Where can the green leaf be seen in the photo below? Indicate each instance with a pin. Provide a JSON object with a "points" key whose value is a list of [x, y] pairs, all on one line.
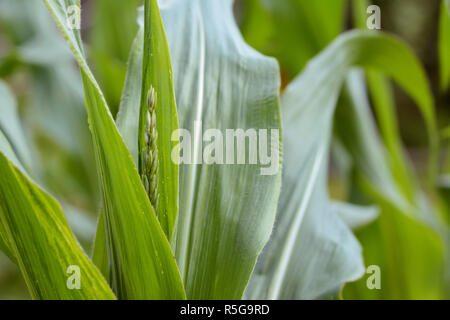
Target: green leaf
{"points": [[291, 267], [226, 212], [41, 241], [142, 263]]}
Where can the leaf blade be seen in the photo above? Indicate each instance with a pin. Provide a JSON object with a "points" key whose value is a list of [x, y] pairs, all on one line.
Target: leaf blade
{"points": [[41, 241]]}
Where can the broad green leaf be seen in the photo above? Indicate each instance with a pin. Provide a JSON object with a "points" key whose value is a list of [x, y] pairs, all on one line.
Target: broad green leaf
{"points": [[226, 212], [285, 270], [444, 45], [157, 74], [41, 241], [142, 263], [311, 251]]}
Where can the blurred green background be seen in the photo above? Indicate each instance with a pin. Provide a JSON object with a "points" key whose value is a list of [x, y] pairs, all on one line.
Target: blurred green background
{"points": [[40, 71]]}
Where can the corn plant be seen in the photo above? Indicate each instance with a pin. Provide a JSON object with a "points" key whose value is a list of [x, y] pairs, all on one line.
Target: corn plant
{"points": [[173, 230]]}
